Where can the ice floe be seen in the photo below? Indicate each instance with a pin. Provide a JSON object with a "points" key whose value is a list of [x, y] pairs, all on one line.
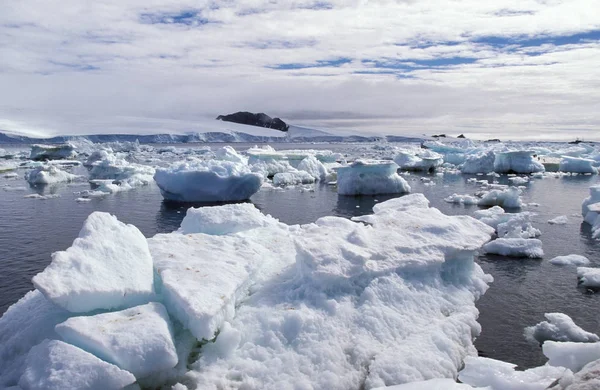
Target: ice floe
{"points": [[365, 177], [559, 327]]}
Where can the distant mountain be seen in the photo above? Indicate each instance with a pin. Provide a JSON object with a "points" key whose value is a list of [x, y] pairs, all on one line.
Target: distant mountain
{"points": [[261, 120]]}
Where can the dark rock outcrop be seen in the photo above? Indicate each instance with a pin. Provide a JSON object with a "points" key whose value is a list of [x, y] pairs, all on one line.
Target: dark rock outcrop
{"points": [[461, 136], [260, 120]]}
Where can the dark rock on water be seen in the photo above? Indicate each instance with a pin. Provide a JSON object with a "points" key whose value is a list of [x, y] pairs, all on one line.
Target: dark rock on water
{"points": [[461, 136], [439, 136], [493, 140], [260, 120]]}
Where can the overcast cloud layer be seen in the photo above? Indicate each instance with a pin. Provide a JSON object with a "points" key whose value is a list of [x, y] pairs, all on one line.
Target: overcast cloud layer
{"points": [[487, 68]]}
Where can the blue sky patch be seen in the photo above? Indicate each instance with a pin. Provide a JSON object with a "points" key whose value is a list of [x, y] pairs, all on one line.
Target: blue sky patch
{"points": [[186, 18], [318, 64]]}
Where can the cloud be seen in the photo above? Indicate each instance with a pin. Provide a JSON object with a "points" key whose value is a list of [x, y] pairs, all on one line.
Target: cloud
{"points": [[494, 68]]}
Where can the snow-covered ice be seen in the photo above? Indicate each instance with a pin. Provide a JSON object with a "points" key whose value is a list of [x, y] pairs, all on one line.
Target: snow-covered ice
{"points": [[55, 365], [365, 177], [559, 327], [138, 339], [207, 181], [571, 355], [588, 378], [422, 160], [506, 198], [431, 384], [293, 178], [462, 199], [588, 277], [226, 219], [314, 167], [109, 266], [572, 259], [515, 247]]}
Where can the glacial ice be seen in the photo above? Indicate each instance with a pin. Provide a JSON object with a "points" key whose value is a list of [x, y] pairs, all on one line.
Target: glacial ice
{"points": [[577, 165], [109, 266], [41, 152], [54, 365], [571, 355], [366, 177], [49, 175], [559, 327], [138, 339], [517, 161], [207, 181]]}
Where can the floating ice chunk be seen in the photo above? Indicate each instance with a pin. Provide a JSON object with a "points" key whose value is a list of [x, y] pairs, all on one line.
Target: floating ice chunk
{"points": [[589, 277], [431, 384], [207, 181], [516, 225], [122, 174], [570, 260], [139, 339], [204, 277], [498, 375], [97, 156], [402, 203], [25, 324], [83, 200], [314, 167], [590, 200], [109, 266], [292, 178], [368, 177], [54, 365], [49, 175], [226, 219], [519, 161], [559, 327], [577, 165], [560, 220], [515, 247], [423, 160], [52, 152], [227, 153], [518, 180], [507, 198], [10, 175], [573, 356], [42, 197], [479, 163], [462, 199]]}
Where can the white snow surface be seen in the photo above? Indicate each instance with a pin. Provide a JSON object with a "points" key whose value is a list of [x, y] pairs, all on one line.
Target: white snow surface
{"points": [[138, 339], [49, 175], [378, 304], [572, 259], [55, 365], [515, 247], [559, 327], [207, 181], [498, 375], [225, 219], [109, 266], [367, 177]]}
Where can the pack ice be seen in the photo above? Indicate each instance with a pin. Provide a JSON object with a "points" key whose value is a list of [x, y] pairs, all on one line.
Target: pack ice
{"points": [[382, 300]]}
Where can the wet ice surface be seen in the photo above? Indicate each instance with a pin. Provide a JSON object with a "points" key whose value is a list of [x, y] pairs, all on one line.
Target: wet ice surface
{"points": [[524, 289]]}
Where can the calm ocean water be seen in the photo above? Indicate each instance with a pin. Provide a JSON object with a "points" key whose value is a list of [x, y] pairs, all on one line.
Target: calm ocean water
{"points": [[523, 290]]}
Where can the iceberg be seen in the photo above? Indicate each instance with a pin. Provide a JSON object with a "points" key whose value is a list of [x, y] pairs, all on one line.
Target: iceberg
{"points": [[369, 177], [424, 160], [49, 175], [41, 152], [559, 327], [515, 247], [507, 198], [207, 181], [109, 266], [314, 167], [54, 365], [227, 153], [517, 161], [138, 340], [577, 165]]}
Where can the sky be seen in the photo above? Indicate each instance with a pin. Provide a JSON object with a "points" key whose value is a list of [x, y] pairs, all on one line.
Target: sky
{"points": [[509, 69]]}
